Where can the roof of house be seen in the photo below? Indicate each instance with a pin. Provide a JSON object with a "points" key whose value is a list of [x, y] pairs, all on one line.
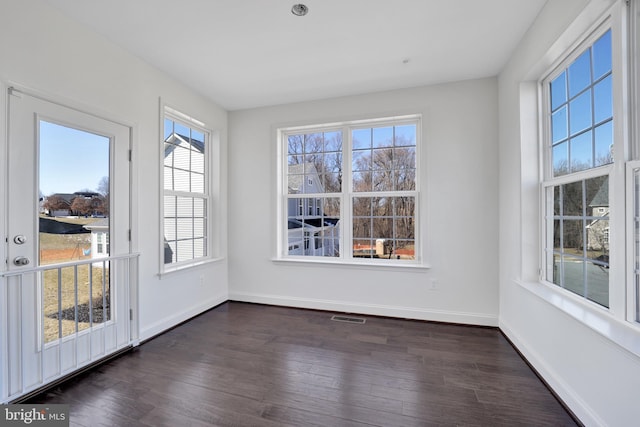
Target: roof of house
{"points": [[176, 139], [297, 174], [602, 196], [101, 224]]}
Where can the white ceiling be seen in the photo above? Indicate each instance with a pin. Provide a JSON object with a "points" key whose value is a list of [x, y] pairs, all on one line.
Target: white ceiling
{"points": [[249, 53]]}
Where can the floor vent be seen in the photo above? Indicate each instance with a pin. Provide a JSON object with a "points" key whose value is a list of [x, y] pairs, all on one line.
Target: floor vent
{"points": [[348, 319]]}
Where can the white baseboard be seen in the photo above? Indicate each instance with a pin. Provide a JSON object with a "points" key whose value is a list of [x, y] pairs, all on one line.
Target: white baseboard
{"points": [[370, 309], [169, 322], [561, 388]]}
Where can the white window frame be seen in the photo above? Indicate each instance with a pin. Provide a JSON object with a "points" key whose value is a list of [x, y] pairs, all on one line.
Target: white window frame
{"points": [[620, 298], [211, 143], [347, 194]]}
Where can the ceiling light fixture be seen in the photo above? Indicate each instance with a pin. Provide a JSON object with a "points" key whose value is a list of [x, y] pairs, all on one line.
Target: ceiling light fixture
{"points": [[299, 9]]}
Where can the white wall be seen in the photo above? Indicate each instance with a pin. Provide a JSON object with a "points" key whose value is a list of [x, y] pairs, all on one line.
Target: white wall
{"points": [[460, 187], [584, 362], [44, 51]]}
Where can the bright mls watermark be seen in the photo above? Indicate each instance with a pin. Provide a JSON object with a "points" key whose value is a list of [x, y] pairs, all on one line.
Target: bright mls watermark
{"points": [[34, 415]]}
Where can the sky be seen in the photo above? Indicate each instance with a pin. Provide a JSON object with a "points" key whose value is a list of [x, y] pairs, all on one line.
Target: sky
{"points": [[71, 160]]}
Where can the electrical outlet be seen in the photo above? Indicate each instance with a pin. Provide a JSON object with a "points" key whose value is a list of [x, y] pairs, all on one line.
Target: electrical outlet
{"points": [[434, 284]]}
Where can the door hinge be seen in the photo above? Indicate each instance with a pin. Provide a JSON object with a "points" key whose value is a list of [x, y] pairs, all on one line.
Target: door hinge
{"points": [[130, 154], [129, 234], [130, 314]]}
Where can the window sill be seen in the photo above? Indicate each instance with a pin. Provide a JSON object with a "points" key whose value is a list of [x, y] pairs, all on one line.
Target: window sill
{"points": [[170, 271], [621, 332], [352, 264]]}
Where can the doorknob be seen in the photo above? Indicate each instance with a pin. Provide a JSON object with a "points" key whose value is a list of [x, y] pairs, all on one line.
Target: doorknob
{"points": [[21, 261]]}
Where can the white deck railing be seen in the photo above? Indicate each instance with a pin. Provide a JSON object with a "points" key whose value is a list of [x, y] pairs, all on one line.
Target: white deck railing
{"points": [[31, 356]]}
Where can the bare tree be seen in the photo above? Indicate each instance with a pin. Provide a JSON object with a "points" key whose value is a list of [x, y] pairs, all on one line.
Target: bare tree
{"points": [[105, 192]]}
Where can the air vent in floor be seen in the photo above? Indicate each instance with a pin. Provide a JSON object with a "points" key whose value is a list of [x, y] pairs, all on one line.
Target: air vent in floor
{"points": [[348, 319]]}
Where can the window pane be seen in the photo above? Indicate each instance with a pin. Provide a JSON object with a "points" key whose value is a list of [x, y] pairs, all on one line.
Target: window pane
{"points": [[572, 200], [168, 154], [362, 181], [197, 137], [168, 128], [559, 91], [405, 135], [198, 227], [199, 208], [383, 137], [597, 283], [197, 162], [361, 227], [332, 163], [184, 228], [184, 207], [333, 141], [361, 138], [572, 236], [185, 250], [181, 157], [170, 228], [361, 160], [313, 230], [604, 144], [602, 55], [580, 73], [573, 275], [199, 248], [181, 130], [295, 182], [581, 152], [561, 159], [559, 125], [383, 181], [580, 113], [73, 182], [603, 100], [181, 180], [332, 182], [382, 159], [197, 183], [168, 178]]}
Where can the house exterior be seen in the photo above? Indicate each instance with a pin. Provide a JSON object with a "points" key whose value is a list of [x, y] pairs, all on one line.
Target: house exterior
{"points": [[99, 238]]}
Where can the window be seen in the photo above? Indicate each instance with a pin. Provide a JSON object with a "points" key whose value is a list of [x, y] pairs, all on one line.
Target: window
{"points": [[361, 190], [185, 191], [579, 153]]}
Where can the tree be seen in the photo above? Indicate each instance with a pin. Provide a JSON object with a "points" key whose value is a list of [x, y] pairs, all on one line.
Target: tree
{"points": [[103, 186], [81, 205], [55, 203], [104, 190]]}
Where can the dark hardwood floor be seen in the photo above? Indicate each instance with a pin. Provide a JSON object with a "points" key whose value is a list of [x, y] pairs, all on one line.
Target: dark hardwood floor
{"points": [[253, 365]]}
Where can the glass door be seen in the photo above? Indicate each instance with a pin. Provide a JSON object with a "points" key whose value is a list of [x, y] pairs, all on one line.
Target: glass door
{"points": [[67, 286]]}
